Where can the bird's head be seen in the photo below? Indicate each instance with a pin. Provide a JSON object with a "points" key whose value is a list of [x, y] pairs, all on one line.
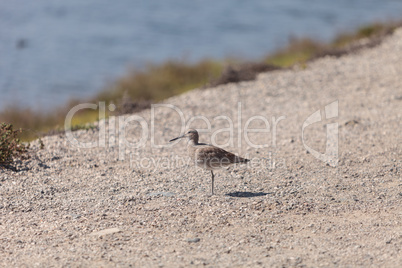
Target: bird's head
{"points": [[190, 134]]}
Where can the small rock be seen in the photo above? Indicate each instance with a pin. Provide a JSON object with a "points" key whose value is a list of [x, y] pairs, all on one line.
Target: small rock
{"points": [[106, 231], [75, 216], [351, 123], [193, 240], [166, 194]]}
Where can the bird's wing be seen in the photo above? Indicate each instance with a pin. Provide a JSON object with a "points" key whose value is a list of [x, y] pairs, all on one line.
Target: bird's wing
{"points": [[216, 154]]}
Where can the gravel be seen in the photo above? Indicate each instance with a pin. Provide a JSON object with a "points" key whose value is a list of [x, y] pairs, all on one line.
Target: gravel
{"points": [[149, 206]]}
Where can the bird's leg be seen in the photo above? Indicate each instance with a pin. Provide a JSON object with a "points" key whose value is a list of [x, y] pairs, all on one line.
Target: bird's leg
{"points": [[212, 188]]}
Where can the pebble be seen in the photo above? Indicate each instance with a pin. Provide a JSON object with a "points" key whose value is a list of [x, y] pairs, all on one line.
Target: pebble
{"points": [[106, 232]]}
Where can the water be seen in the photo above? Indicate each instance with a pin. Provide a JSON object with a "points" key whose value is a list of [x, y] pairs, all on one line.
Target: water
{"points": [[55, 50]]}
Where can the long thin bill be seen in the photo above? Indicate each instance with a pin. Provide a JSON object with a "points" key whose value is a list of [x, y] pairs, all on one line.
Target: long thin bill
{"points": [[176, 138]]}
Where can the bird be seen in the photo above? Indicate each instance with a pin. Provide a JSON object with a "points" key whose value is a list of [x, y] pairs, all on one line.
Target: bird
{"points": [[207, 156]]}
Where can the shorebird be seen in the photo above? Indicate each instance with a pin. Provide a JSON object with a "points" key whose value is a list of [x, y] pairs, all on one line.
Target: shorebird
{"points": [[208, 156]]}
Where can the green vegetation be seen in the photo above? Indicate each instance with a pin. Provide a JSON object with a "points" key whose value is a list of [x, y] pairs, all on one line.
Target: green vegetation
{"points": [[376, 29], [158, 82], [298, 51], [140, 87], [35, 124], [10, 146]]}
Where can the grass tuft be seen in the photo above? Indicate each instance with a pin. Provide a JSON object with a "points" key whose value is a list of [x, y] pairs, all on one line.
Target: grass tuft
{"points": [[11, 147]]}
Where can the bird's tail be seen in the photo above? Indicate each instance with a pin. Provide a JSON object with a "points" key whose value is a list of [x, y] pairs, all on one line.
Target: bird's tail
{"points": [[241, 160]]}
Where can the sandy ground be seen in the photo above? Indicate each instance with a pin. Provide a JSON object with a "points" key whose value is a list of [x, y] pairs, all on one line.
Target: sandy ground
{"points": [[133, 201]]}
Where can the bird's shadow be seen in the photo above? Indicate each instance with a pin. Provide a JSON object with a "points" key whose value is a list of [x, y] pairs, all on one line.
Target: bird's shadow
{"points": [[246, 194]]}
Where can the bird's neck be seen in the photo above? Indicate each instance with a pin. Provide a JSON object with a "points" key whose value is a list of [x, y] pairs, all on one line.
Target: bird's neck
{"points": [[192, 142]]}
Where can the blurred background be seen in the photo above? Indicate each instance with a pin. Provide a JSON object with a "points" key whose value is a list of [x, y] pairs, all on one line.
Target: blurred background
{"points": [[53, 51]]}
